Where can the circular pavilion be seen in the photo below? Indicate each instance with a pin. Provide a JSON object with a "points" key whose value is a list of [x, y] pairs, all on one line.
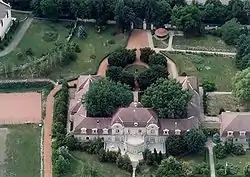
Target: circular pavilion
{"points": [[161, 33]]}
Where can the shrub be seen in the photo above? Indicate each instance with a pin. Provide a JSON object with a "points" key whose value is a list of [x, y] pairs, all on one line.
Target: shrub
{"points": [[201, 169], [77, 49], [209, 132], [146, 53], [50, 36], [216, 138], [20, 56], [157, 59], [122, 57], [209, 86], [221, 111], [29, 52], [238, 150], [220, 151], [111, 41]]}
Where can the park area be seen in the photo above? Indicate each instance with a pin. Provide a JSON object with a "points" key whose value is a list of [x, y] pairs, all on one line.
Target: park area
{"points": [[20, 150], [217, 69], [203, 43], [42, 36]]}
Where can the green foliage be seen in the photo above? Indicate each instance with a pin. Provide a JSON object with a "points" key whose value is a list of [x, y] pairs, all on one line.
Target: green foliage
{"points": [[150, 76], [167, 98], [209, 132], [209, 86], [195, 140], [216, 138], [247, 170], [188, 19], [227, 169], [61, 164], [81, 33], [175, 145], [170, 167], [241, 85], [220, 151], [124, 162], [146, 53], [148, 157], [202, 169], [122, 57], [22, 85], [111, 96], [230, 31], [117, 74], [157, 59], [238, 150], [243, 52]]}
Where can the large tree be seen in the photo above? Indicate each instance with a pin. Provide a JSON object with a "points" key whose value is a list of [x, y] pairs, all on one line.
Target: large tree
{"points": [[236, 10], [188, 19], [170, 167], [175, 145], [246, 8], [247, 170], [149, 76], [243, 52], [146, 53], [122, 57], [241, 85], [104, 97], [49, 8], [230, 31], [163, 13], [195, 140], [168, 98], [157, 59]]}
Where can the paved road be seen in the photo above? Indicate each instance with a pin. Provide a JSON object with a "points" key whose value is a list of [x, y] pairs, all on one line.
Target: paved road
{"points": [[18, 37], [48, 132], [210, 146]]}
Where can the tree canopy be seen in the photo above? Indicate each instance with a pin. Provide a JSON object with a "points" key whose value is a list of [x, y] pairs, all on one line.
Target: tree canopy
{"points": [[243, 52], [122, 57], [104, 97], [167, 98], [241, 85], [175, 145], [157, 59], [149, 76], [146, 53], [195, 140]]}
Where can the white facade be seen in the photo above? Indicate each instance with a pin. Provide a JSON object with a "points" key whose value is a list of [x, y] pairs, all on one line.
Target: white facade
{"points": [[5, 20]]}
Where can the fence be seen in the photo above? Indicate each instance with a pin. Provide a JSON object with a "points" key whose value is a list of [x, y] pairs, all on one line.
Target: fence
{"points": [[14, 120]]}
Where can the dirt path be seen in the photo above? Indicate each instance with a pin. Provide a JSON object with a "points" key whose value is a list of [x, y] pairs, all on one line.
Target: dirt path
{"points": [[48, 132], [18, 37], [210, 146]]}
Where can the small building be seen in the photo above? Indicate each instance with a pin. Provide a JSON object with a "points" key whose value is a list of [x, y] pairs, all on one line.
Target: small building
{"points": [[236, 126], [131, 129], [5, 19], [161, 33]]}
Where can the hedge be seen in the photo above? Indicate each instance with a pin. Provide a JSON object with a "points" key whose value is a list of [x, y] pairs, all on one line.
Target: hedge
{"points": [[22, 85]]}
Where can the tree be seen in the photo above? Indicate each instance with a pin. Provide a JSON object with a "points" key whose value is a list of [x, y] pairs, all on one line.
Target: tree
{"points": [[160, 157], [209, 86], [157, 59], [246, 8], [150, 76], [49, 8], [201, 169], [195, 140], [148, 157], [163, 12], [175, 145], [61, 166], [230, 31], [146, 53], [243, 52], [155, 156], [241, 85], [167, 98], [122, 57], [170, 167], [188, 19], [236, 10], [105, 96], [247, 170]]}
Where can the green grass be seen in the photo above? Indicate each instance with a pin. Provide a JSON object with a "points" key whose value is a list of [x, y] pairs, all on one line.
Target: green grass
{"points": [[206, 42], [239, 161], [160, 43], [34, 39], [228, 102], [18, 16], [93, 49], [217, 69], [135, 69], [105, 169], [23, 151]]}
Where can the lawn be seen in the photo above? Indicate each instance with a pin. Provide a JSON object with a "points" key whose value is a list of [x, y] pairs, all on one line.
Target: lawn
{"points": [[207, 43], [93, 49], [106, 169], [23, 151], [239, 161], [18, 16], [35, 40], [160, 43], [135, 69], [217, 69], [228, 102]]}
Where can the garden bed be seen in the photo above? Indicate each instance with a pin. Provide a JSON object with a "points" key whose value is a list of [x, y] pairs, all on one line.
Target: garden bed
{"points": [[206, 43], [217, 69], [135, 69]]}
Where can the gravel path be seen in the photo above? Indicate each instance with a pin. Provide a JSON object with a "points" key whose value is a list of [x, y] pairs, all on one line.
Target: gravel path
{"points": [[18, 37], [210, 146]]}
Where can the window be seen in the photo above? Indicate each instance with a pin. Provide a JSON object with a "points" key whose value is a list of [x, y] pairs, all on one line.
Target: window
{"points": [[105, 131], [230, 133], [235, 139], [135, 124], [152, 139], [166, 132], [139, 131], [117, 131], [117, 138], [87, 138], [152, 131], [94, 131], [83, 130], [1, 22], [177, 132], [7, 14], [242, 133]]}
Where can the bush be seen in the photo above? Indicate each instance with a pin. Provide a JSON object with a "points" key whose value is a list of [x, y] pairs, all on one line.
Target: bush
{"points": [[209, 132], [20, 56], [209, 86], [111, 41], [157, 59], [146, 53], [201, 169], [122, 57], [29, 52], [77, 49], [220, 151], [50, 36], [238, 150], [216, 138]]}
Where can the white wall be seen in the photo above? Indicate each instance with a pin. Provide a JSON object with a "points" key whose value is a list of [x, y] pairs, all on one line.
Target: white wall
{"points": [[6, 24]]}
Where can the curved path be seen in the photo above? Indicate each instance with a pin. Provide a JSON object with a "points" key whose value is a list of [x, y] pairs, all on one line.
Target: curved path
{"points": [[18, 37], [47, 144]]}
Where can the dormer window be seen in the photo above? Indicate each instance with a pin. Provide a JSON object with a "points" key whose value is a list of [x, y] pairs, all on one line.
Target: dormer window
{"points": [[83, 130], [177, 132], [230, 133], [165, 132], [152, 131], [135, 124], [94, 130], [242, 133], [117, 131], [105, 131]]}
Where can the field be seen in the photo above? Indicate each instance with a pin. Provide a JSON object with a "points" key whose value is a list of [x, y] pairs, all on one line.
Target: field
{"points": [[106, 169], [239, 161], [217, 69], [207, 43], [93, 49], [228, 102], [23, 151]]}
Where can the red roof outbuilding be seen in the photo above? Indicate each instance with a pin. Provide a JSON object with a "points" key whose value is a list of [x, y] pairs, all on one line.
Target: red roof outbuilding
{"points": [[161, 32]]}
